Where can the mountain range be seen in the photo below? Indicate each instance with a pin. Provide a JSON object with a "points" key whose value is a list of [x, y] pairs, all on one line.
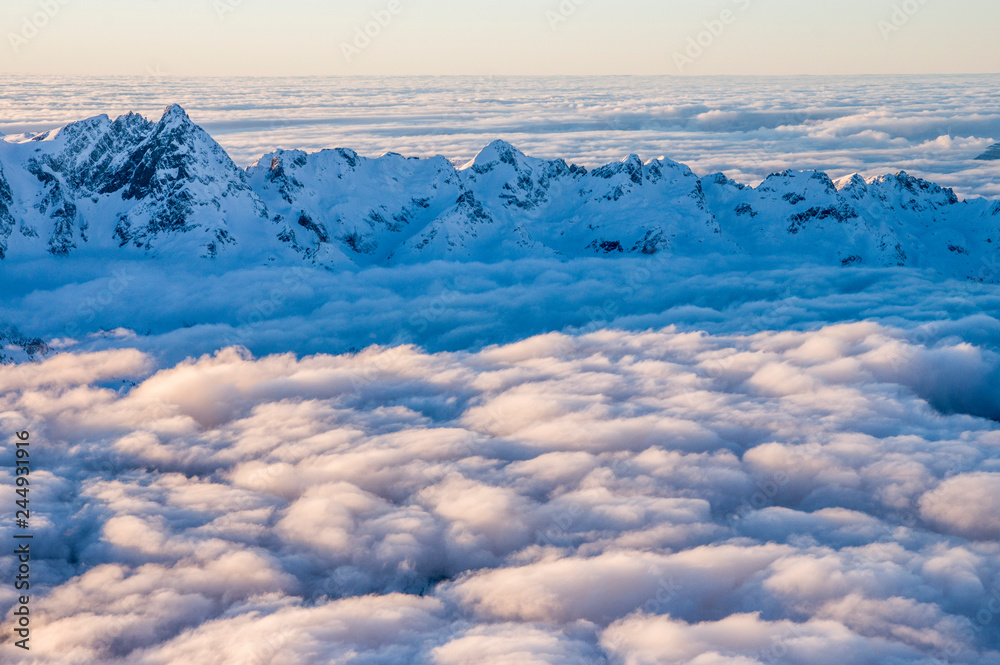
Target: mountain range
{"points": [[136, 187]]}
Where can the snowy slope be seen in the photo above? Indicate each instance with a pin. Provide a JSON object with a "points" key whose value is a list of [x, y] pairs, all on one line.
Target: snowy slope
{"points": [[336, 206], [891, 220], [7, 221], [131, 185], [624, 207], [164, 187]]}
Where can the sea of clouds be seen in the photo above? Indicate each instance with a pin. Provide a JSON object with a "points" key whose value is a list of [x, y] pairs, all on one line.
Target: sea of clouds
{"points": [[707, 464], [649, 497], [747, 127]]}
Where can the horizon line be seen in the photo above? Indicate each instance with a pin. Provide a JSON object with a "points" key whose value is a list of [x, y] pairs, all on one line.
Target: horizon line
{"points": [[512, 76]]}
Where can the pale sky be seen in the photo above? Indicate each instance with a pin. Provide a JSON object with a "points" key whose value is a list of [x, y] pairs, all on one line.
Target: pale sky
{"points": [[515, 37]]}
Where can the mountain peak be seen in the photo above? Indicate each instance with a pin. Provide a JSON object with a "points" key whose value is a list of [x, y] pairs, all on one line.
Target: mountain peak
{"points": [[630, 166], [498, 151], [175, 114], [96, 124], [852, 179], [854, 185], [992, 153], [500, 145]]}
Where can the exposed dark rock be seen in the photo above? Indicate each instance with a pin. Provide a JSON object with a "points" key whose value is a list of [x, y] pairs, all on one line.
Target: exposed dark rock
{"points": [[992, 153]]}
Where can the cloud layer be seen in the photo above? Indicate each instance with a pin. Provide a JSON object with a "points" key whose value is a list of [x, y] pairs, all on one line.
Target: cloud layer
{"points": [[443, 306], [615, 497]]}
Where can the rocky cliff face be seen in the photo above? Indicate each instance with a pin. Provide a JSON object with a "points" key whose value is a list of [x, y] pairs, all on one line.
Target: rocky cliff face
{"points": [[7, 221], [167, 188], [129, 182]]}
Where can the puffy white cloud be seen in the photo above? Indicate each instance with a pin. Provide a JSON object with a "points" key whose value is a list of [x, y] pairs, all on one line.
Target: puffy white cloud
{"points": [[269, 629], [62, 370], [695, 582], [612, 497], [968, 505], [747, 639], [515, 644]]}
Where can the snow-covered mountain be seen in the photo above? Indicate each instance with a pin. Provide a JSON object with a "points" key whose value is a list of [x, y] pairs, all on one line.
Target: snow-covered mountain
{"points": [[165, 188], [891, 220], [160, 187], [502, 204], [992, 153]]}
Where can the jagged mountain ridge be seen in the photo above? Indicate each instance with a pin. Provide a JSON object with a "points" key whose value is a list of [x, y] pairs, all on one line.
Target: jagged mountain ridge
{"points": [[128, 182], [167, 188]]}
